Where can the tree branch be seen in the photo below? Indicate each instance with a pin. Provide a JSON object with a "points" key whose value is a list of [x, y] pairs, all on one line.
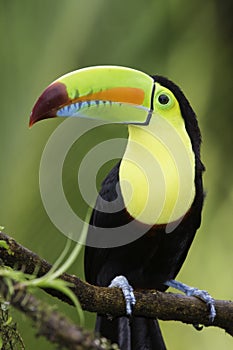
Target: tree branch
{"points": [[50, 323], [153, 304]]}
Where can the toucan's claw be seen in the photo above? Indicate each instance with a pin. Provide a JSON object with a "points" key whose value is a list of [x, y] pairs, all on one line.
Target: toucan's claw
{"points": [[191, 291], [122, 283]]}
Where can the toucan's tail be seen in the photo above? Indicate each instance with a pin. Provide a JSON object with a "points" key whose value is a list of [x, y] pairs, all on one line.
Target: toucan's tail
{"points": [[137, 333]]}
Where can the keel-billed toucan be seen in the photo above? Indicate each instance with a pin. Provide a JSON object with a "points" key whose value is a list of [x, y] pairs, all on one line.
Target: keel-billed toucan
{"points": [[151, 201]]}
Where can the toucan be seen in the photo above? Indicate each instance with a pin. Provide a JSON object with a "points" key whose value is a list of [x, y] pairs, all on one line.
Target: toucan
{"points": [[149, 206]]}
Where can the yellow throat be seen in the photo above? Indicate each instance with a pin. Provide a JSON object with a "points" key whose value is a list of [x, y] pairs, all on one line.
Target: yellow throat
{"points": [[157, 171]]}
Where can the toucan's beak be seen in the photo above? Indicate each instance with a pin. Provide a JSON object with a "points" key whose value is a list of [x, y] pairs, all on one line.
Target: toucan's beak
{"points": [[110, 93]]}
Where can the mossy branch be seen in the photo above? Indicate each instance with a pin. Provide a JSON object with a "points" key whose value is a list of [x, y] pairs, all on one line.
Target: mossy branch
{"points": [[50, 323], [153, 304]]}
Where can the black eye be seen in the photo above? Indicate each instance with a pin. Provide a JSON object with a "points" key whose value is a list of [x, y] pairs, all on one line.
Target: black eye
{"points": [[163, 99]]}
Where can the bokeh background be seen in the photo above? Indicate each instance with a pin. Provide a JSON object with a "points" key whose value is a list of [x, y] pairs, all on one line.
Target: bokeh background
{"points": [[188, 41]]}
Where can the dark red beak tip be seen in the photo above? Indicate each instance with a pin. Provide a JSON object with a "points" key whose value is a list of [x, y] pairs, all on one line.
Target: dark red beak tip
{"points": [[54, 97]]}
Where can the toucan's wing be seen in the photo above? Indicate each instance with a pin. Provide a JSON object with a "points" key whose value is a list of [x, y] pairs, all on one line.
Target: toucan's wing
{"points": [[95, 258]]}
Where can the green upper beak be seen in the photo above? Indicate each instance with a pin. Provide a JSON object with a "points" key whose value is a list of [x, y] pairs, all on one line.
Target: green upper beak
{"points": [[109, 93]]}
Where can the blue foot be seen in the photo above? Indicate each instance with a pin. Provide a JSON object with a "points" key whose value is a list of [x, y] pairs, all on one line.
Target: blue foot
{"points": [[127, 290], [191, 291]]}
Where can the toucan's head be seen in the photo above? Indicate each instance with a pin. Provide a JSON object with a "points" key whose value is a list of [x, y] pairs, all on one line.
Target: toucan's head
{"points": [[159, 118], [117, 95]]}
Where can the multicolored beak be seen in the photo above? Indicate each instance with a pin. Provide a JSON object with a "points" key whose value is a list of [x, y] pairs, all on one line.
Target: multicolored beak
{"points": [[109, 93]]}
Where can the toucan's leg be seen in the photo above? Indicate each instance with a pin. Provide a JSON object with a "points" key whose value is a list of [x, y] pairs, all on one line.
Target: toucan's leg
{"points": [[191, 291], [127, 290]]}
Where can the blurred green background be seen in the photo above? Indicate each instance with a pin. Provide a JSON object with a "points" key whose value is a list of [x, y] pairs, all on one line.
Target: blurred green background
{"points": [[188, 41]]}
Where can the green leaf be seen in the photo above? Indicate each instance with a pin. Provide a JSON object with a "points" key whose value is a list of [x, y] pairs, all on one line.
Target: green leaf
{"points": [[3, 244]]}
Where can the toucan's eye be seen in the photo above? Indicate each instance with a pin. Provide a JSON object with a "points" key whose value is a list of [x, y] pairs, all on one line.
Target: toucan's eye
{"points": [[163, 99]]}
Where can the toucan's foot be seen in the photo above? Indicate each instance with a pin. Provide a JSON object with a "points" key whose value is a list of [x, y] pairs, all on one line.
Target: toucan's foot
{"points": [[122, 282], [191, 291]]}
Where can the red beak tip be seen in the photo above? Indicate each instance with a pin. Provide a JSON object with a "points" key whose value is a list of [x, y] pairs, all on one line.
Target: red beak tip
{"points": [[30, 123], [47, 104]]}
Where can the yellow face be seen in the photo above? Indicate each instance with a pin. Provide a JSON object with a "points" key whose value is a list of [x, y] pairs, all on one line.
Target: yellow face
{"points": [[157, 172], [165, 104]]}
